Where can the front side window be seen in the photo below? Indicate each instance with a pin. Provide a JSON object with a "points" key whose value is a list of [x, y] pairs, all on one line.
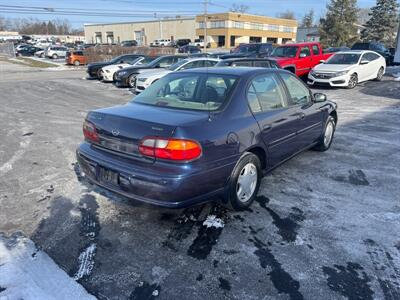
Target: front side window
{"points": [[305, 51], [265, 93], [242, 64], [299, 94], [207, 92], [192, 65], [285, 51]]}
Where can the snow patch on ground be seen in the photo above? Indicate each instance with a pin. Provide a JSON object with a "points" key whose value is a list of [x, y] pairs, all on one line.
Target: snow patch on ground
{"points": [[28, 273], [213, 221], [86, 262]]}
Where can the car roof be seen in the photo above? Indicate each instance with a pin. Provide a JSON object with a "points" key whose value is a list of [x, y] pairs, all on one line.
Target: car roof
{"points": [[242, 71], [247, 59], [201, 58], [301, 44], [355, 51]]}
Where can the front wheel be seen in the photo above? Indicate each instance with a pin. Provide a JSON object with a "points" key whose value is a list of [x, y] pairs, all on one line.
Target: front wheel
{"points": [[326, 139], [54, 56], [379, 76], [132, 81], [77, 63], [353, 81], [244, 182]]}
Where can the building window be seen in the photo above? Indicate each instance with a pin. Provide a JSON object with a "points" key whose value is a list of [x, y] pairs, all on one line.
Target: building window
{"points": [[256, 26], [217, 24], [237, 24], [201, 25], [97, 38], [273, 27], [110, 37], [288, 29]]}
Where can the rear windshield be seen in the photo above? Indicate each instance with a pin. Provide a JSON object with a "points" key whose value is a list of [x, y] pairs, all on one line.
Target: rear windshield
{"points": [[247, 48], [191, 91]]}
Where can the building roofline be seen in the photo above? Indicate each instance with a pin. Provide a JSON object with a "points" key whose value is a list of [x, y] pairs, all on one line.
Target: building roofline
{"points": [[141, 22]]}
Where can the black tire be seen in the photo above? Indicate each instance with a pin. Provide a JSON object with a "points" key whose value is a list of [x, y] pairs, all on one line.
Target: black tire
{"points": [[323, 144], [353, 81], [132, 81], [99, 76], [379, 75], [232, 200]]}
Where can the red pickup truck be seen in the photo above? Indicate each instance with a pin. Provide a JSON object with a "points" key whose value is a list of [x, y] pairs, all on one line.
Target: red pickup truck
{"points": [[299, 58]]}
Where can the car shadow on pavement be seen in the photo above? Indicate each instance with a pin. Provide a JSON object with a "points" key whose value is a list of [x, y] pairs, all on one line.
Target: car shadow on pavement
{"points": [[309, 233]]}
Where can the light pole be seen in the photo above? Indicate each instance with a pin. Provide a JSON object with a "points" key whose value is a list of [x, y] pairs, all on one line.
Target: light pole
{"points": [[205, 25]]}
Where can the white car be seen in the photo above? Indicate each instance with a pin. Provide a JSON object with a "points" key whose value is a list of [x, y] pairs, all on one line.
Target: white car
{"points": [[56, 52], [348, 68], [147, 77], [108, 72], [161, 43]]}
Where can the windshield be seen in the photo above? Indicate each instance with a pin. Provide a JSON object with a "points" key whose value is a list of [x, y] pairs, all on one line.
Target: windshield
{"points": [[206, 92], [177, 65], [285, 51], [116, 59], [343, 59], [249, 48]]}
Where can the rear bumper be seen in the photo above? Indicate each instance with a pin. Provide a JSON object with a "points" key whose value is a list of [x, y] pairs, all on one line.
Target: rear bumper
{"points": [[172, 186]]}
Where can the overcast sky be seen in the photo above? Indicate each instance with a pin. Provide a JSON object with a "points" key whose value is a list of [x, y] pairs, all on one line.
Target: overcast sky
{"points": [[104, 11]]}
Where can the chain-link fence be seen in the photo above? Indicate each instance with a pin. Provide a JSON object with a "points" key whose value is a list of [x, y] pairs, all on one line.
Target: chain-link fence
{"points": [[7, 49]]}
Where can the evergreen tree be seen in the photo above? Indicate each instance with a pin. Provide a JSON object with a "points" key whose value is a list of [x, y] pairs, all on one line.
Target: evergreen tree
{"points": [[338, 28], [382, 25], [308, 19]]}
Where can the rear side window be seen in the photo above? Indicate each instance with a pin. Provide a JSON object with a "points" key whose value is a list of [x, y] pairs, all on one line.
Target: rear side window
{"points": [[299, 94], [315, 49], [262, 64], [242, 64], [265, 93]]}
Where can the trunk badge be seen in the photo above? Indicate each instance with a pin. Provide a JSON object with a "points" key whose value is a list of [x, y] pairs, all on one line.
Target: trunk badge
{"points": [[115, 132]]}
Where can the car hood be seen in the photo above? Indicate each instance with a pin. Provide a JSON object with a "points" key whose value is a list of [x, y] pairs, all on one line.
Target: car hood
{"points": [[116, 67], [98, 65], [332, 68], [153, 72]]}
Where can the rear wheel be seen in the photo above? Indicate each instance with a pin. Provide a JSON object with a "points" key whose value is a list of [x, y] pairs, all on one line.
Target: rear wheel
{"points": [[244, 182], [326, 139], [353, 81], [380, 74], [54, 56], [77, 63]]}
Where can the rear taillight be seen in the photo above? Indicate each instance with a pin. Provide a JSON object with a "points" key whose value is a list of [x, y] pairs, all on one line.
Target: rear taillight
{"points": [[170, 149], [89, 131]]}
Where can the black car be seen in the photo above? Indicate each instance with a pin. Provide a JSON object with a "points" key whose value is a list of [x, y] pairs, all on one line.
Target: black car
{"points": [[180, 42], [377, 47], [336, 49], [189, 49], [249, 62], [27, 51], [94, 69], [250, 50], [127, 76], [131, 43]]}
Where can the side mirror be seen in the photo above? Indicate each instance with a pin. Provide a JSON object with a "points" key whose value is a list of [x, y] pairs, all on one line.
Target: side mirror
{"points": [[322, 61], [302, 55], [364, 62], [319, 97]]}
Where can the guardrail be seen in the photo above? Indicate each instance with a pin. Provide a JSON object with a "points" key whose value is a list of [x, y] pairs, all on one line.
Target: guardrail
{"points": [[7, 49]]}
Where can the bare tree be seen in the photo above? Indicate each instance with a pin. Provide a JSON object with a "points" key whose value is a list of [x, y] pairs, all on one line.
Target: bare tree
{"points": [[240, 8], [288, 15]]}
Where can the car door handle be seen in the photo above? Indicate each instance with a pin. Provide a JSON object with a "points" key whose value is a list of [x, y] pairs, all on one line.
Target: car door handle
{"points": [[300, 115], [267, 127]]}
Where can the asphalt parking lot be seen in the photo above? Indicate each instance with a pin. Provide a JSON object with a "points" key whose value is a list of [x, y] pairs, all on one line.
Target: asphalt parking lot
{"points": [[325, 225]]}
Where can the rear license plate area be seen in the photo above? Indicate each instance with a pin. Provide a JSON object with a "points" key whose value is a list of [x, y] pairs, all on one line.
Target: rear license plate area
{"points": [[108, 177]]}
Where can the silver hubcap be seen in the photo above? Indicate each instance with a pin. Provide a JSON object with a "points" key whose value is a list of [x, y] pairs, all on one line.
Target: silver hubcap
{"points": [[328, 134], [353, 81], [380, 73], [247, 182]]}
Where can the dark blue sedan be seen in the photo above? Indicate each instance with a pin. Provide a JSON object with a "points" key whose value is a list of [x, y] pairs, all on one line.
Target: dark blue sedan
{"points": [[201, 133]]}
